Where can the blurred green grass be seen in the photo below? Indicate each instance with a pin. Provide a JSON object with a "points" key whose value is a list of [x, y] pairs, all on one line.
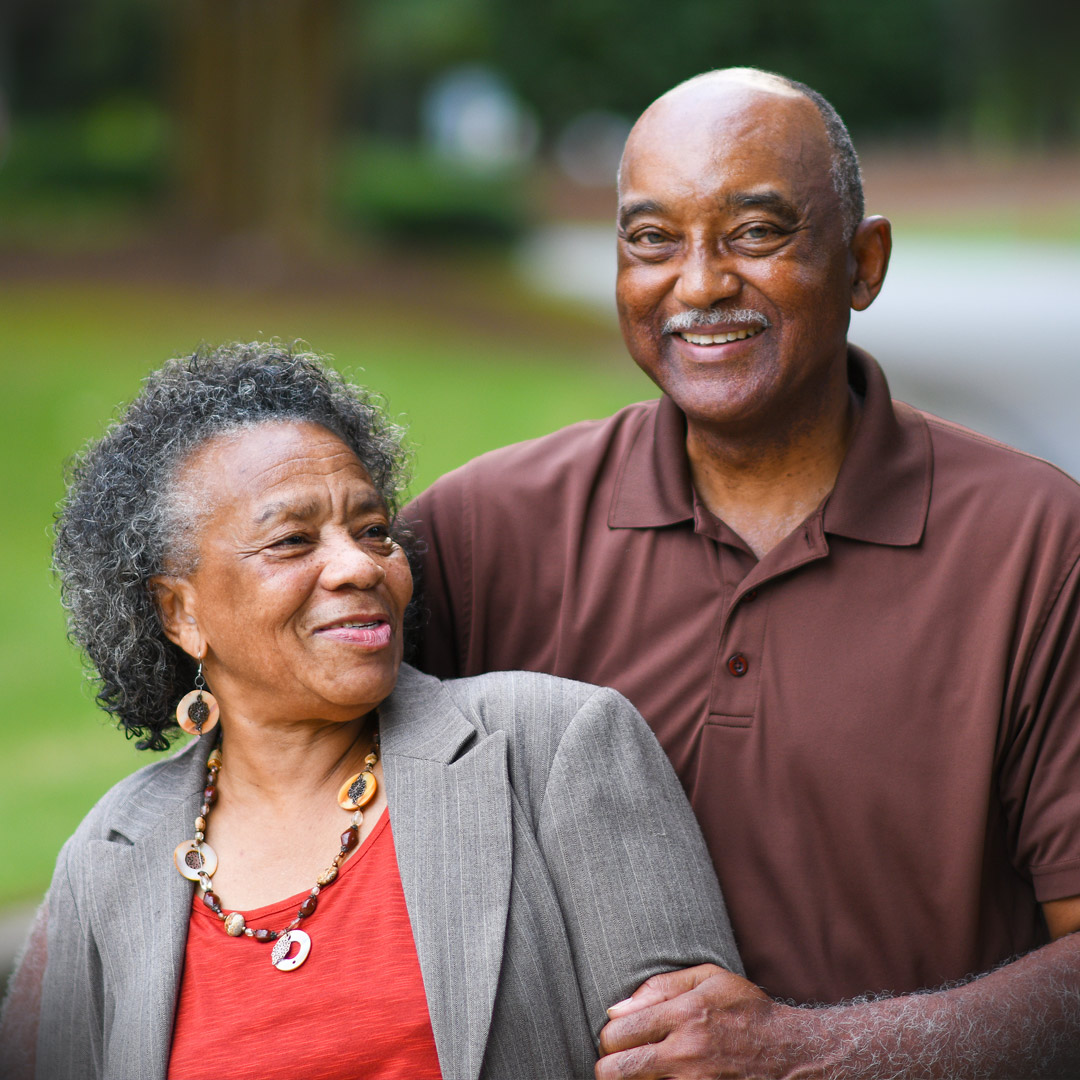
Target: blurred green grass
{"points": [[71, 351]]}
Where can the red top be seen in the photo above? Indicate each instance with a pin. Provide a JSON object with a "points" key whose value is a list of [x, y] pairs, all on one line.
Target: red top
{"points": [[355, 1007]]}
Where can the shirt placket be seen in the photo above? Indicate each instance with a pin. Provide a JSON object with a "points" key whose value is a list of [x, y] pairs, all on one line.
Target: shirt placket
{"points": [[735, 690]]}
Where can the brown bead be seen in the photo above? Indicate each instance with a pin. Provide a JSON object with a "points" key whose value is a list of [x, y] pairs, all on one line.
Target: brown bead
{"points": [[200, 824], [327, 876], [210, 795], [308, 907], [349, 838], [211, 901], [262, 934]]}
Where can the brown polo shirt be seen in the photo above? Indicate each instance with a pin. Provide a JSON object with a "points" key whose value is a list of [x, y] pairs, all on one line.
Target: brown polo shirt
{"points": [[878, 724]]}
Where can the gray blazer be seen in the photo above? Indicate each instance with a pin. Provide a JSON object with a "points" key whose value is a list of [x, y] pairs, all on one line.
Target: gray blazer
{"points": [[549, 860]]}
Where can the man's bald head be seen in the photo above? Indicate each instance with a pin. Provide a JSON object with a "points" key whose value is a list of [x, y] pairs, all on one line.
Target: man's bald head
{"points": [[844, 168]]}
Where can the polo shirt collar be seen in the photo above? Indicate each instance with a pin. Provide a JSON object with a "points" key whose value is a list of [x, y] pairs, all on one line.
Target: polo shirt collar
{"points": [[654, 486], [882, 493]]}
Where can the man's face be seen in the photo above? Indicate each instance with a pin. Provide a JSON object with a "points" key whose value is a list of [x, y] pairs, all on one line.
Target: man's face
{"points": [[735, 282]]}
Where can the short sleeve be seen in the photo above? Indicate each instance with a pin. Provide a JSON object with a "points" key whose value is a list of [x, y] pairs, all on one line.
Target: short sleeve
{"points": [[1039, 777]]}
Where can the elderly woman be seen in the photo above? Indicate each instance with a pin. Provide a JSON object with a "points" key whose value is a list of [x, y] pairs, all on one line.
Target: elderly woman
{"points": [[353, 869]]}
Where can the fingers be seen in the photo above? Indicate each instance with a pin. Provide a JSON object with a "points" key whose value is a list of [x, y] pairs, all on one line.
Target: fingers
{"points": [[640, 1064], [663, 987], [690, 1034]]}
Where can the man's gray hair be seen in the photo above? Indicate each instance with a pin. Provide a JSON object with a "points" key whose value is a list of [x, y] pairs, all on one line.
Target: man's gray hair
{"points": [[127, 516], [844, 168]]}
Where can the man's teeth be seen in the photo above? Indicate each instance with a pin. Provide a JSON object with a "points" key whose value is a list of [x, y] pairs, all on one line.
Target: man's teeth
{"points": [[720, 339], [356, 625]]}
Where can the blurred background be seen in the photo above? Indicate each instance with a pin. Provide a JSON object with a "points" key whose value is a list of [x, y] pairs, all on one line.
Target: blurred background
{"points": [[424, 189]]}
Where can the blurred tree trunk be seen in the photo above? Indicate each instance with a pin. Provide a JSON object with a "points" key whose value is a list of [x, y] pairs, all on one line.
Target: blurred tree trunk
{"points": [[254, 85]]}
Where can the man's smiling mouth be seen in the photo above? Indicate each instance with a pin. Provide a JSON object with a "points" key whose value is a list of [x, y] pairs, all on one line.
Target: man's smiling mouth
{"points": [[720, 339]]}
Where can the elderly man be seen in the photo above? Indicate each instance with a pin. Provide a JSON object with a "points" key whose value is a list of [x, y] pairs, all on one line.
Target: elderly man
{"points": [[854, 627]]}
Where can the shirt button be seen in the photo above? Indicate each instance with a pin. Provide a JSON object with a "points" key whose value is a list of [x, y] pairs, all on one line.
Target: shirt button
{"points": [[750, 594], [738, 665]]}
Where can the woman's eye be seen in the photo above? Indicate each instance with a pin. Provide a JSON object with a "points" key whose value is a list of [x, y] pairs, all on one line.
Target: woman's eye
{"points": [[292, 540], [378, 535]]}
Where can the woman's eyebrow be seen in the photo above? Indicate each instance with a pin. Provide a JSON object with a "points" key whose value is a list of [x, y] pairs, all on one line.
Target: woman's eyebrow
{"points": [[286, 509]]}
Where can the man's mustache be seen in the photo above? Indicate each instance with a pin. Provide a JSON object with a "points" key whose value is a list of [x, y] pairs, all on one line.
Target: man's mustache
{"points": [[699, 318]]}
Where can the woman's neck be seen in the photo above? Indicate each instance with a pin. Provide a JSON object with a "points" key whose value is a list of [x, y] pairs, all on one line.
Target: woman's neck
{"points": [[281, 766]]}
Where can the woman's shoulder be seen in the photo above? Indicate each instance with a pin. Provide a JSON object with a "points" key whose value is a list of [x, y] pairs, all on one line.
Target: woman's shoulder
{"points": [[527, 704], [541, 717]]}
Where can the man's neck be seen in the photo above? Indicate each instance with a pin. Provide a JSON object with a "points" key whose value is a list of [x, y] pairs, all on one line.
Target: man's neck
{"points": [[765, 488]]}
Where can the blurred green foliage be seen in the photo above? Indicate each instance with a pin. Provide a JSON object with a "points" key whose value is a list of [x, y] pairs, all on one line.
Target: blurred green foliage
{"points": [[882, 65], [397, 189], [116, 145], [94, 84]]}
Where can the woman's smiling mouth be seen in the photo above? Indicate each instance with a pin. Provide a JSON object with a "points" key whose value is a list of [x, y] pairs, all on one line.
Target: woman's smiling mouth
{"points": [[369, 633]]}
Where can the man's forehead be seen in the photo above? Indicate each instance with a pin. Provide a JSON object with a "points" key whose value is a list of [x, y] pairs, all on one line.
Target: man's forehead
{"points": [[720, 130]]}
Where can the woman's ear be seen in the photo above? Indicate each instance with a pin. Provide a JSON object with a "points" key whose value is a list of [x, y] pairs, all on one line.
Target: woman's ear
{"points": [[871, 247], [175, 600]]}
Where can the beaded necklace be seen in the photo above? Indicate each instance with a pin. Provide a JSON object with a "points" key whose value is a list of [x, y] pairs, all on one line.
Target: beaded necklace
{"points": [[197, 861]]}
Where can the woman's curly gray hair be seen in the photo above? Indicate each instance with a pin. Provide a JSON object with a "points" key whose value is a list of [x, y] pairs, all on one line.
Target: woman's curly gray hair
{"points": [[126, 518]]}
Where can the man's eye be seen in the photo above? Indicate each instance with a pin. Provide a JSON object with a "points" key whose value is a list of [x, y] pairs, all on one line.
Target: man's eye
{"points": [[649, 237], [292, 540], [759, 232]]}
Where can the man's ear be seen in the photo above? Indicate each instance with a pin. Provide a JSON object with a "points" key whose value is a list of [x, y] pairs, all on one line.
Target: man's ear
{"points": [[870, 248], [175, 600]]}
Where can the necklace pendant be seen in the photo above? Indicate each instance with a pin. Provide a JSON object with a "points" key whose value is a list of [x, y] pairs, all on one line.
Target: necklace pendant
{"points": [[358, 790], [193, 858], [280, 957]]}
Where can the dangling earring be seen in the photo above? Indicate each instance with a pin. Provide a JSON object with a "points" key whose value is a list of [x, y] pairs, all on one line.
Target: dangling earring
{"points": [[198, 711]]}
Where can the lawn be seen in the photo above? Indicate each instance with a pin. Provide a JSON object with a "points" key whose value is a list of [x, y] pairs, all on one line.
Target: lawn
{"points": [[71, 351]]}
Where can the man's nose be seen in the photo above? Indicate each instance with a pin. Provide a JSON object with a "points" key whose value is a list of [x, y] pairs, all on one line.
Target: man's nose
{"points": [[706, 277]]}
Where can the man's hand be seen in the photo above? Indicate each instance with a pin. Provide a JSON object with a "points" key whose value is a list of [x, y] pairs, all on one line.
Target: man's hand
{"points": [[1021, 1020], [702, 1022]]}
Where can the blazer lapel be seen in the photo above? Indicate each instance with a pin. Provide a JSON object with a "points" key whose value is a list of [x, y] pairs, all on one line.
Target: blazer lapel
{"points": [[450, 806], [141, 926]]}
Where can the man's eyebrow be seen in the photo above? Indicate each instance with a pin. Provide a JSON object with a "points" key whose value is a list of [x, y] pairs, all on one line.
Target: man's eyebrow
{"points": [[763, 200], [641, 206]]}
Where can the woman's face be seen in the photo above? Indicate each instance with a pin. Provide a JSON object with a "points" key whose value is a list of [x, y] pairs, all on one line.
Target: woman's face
{"points": [[299, 591]]}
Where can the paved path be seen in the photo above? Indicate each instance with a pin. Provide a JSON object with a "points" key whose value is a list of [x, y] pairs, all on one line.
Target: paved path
{"points": [[985, 333]]}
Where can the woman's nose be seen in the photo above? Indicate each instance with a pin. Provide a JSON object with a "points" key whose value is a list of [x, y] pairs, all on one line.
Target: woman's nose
{"points": [[348, 562]]}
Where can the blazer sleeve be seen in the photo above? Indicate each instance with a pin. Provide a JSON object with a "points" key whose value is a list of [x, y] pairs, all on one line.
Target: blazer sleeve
{"points": [[70, 1040], [634, 879]]}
